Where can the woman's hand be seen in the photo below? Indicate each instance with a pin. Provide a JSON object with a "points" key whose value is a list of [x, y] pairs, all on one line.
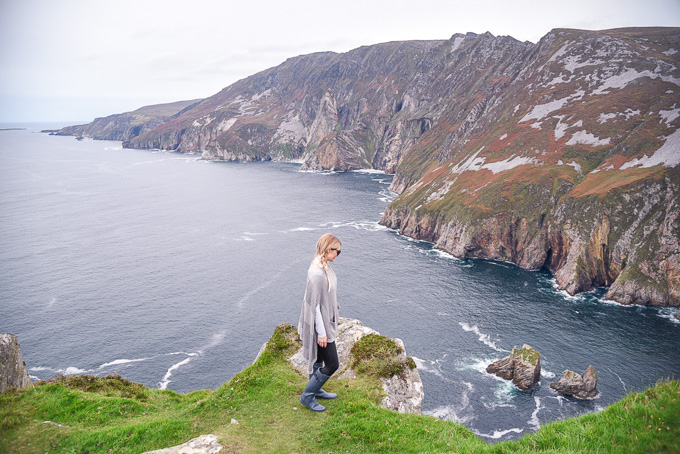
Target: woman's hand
{"points": [[322, 341]]}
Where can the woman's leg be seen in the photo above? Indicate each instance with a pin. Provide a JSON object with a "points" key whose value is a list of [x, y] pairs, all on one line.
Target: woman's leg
{"points": [[329, 356]]}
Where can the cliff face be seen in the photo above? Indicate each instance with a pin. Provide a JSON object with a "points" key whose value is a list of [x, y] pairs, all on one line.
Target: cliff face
{"points": [[573, 168], [562, 154], [13, 370]]}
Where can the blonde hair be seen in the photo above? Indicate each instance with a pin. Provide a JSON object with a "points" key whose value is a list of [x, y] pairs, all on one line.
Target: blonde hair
{"points": [[326, 242]]}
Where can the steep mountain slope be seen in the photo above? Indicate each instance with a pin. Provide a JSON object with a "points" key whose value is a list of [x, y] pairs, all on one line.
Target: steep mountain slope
{"points": [[573, 166], [562, 154]]}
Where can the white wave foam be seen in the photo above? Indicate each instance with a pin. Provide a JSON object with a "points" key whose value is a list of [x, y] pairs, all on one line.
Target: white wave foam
{"points": [[534, 416], [504, 392], [386, 195], [68, 371], [304, 229], [373, 171], [423, 365], [122, 361], [166, 379], [248, 295], [476, 364], [620, 380], [371, 226], [668, 314], [51, 302], [499, 433], [500, 263], [558, 398], [484, 338], [41, 368], [564, 293], [547, 374], [493, 405], [453, 412], [215, 340], [444, 255], [148, 162], [318, 172]]}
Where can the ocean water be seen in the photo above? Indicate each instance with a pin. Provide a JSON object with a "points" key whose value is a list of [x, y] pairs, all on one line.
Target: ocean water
{"points": [[173, 272]]}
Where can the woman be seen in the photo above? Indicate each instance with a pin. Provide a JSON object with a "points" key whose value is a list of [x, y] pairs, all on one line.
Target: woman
{"points": [[318, 326]]}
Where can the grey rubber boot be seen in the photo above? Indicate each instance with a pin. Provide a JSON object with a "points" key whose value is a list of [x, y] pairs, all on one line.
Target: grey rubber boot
{"points": [[322, 394], [315, 383]]}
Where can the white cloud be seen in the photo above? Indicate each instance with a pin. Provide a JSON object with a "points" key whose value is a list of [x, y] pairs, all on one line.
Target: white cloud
{"points": [[93, 55]]}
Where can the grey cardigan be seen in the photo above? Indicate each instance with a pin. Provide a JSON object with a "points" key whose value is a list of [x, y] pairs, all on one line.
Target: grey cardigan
{"points": [[318, 294]]}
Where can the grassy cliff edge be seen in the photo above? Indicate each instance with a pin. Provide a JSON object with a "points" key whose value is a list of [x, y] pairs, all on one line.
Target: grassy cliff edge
{"points": [[258, 411]]}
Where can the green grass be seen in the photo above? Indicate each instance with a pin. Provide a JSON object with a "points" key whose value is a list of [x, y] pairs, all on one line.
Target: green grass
{"points": [[379, 356], [111, 415], [528, 354]]}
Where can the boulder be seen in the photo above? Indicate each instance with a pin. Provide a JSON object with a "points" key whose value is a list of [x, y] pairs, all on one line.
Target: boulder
{"points": [[13, 370], [403, 393], [205, 444], [523, 367], [573, 384]]}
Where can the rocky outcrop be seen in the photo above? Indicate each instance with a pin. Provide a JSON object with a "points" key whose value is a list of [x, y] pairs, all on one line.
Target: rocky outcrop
{"points": [[573, 384], [523, 367], [13, 370], [403, 393], [127, 125], [205, 444], [628, 241]]}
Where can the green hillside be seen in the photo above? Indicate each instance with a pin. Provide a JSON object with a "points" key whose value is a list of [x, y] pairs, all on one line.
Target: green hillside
{"points": [[112, 415]]}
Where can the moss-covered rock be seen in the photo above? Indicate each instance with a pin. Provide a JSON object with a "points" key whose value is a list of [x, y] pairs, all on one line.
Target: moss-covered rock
{"points": [[379, 355], [522, 366]]}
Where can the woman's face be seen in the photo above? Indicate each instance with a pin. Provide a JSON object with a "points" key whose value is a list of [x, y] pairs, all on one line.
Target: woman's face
{"points": [[332, 253]]}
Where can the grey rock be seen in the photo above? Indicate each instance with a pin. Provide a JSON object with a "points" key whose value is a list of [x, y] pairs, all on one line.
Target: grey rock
{"points": [[205, 444], [13, 370], [573, 384], [523, 367]]}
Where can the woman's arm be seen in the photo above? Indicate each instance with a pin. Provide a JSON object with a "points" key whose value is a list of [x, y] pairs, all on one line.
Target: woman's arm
{"points": [[320, 329]]}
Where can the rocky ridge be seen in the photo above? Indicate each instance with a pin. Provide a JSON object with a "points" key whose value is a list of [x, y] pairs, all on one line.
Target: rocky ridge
{"points": [[562, 154], [127, 125]]}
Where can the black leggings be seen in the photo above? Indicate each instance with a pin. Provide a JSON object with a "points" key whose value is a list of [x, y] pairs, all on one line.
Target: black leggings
{"points": [[329, 357]]}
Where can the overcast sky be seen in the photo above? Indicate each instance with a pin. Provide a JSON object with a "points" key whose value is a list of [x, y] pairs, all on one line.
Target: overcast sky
{"points": [[74, 60]]}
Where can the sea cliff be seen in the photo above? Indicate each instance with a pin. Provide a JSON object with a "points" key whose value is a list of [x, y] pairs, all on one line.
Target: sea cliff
{"points": [[562, 154]]}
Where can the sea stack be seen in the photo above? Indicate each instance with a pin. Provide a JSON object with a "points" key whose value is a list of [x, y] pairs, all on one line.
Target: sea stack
{"points": [[523, 367], [573, 384], [13, 370]]}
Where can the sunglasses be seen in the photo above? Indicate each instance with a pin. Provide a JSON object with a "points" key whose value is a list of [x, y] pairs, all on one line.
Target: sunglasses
{"points": [[336, 250]]}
